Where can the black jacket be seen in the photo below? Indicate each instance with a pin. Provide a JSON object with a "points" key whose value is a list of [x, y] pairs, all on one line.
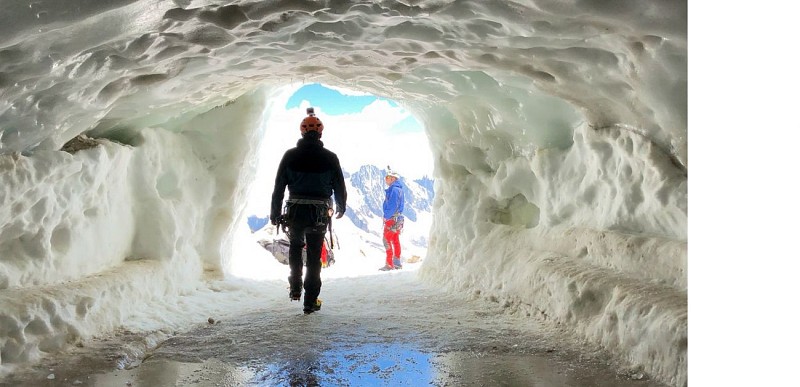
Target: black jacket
{"points": [[311, 172]]}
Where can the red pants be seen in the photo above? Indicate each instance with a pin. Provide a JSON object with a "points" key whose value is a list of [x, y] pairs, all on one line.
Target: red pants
{"points": [[324, 256], [391, 240]]}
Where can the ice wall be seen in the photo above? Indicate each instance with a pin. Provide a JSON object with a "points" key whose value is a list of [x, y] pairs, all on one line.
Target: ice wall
{"points": [[90, 239], [561, 220]]}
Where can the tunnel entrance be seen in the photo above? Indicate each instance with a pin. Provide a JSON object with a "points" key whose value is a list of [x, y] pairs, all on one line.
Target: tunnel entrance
{"points": [[369, 134]]}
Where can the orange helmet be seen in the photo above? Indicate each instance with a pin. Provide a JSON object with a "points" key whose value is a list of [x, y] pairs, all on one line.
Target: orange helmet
{"points": [[311, 123]]}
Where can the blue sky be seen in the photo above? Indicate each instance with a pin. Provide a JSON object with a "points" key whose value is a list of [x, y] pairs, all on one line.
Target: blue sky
{"points": [[334, 102]]}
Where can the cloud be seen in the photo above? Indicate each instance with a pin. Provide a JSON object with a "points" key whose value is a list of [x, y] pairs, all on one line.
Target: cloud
{"points": [[345, 91], [361, 138], [368, 138]]}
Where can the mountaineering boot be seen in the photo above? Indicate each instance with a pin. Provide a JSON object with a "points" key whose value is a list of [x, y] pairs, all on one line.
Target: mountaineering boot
{"points": [[397, 263], [295, 289], [386, 268], [317, 305]]}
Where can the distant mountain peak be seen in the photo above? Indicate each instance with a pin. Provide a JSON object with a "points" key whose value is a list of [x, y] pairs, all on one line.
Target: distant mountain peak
{"points": [[368, 183]]}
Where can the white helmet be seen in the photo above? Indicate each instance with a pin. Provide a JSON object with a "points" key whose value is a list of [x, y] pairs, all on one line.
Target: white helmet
{"points": [[390, 172]]}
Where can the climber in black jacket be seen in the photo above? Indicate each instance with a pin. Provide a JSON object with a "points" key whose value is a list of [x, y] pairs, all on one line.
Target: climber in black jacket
{"points": [[312, 174]]}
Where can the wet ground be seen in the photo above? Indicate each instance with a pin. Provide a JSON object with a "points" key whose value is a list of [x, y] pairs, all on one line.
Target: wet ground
{"points": [[388, 330]]}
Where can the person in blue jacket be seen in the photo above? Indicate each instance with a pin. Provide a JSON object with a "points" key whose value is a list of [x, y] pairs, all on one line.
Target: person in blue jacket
{"points": [[393, 220]]}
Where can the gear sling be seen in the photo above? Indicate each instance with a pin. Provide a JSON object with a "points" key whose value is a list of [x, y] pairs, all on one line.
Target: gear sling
{"points": [[321, 215]]}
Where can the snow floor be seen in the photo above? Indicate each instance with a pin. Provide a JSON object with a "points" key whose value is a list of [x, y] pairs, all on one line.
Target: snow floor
{"points": [[387, 329]]}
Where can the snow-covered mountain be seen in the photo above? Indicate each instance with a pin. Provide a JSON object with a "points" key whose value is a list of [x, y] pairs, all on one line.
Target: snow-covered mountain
{"points": [[358, 237], [366, 190]]}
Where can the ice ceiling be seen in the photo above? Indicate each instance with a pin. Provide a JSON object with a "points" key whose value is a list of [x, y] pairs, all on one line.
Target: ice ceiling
{"points": [[65, 70], [562, 124]]}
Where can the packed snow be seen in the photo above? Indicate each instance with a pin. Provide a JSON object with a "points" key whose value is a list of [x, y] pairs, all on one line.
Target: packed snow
{"points": [[134, 135]]}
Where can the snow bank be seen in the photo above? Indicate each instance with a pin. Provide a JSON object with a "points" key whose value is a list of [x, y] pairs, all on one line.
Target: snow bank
{"points": [[94, 238], [592, 236]]}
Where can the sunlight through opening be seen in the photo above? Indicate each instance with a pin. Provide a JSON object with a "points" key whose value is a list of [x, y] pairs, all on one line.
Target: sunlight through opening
{"points": [[368, 134]]}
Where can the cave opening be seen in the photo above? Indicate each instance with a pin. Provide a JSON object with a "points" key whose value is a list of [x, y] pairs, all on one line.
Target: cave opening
{"points": [[369, 134]]}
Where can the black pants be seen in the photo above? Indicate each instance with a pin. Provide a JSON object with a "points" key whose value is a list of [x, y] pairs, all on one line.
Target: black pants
{"points": [[307, 226]]}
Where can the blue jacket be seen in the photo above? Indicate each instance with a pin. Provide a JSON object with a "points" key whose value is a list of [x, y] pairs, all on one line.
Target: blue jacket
{"points": [[394, 202]]}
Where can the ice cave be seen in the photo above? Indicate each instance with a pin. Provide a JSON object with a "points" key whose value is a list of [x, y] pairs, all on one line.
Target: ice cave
{"points": [[128, 132]]}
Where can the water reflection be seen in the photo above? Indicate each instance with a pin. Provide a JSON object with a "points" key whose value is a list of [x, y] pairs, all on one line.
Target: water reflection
{"points": [[398, 364], [366, 365]]}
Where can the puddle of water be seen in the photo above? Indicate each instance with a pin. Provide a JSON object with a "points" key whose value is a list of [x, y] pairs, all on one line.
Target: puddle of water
{"points": [[367, 365]]}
